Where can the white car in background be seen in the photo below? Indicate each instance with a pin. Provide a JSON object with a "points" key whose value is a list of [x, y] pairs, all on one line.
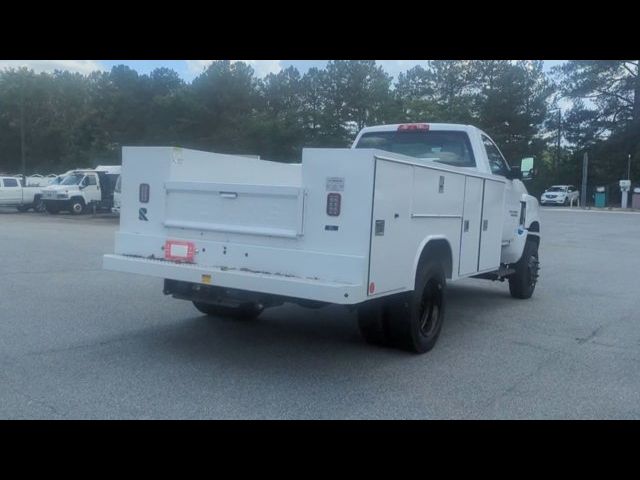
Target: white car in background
{"points": [[560, 195]]}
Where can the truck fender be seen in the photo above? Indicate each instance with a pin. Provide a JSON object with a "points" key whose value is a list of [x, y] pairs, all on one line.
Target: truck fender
{"points": [[437, 244], [530, 229], [532, 216], [532, 212]]}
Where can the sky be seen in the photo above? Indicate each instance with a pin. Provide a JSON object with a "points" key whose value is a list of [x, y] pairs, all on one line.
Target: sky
{"points": [[189, 69]]}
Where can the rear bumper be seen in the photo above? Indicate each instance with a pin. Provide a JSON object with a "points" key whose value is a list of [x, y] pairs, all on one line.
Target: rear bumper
{"points": [[288, 286]]}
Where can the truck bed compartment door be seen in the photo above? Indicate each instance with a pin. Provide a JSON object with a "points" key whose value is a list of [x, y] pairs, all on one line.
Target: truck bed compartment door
{"points": [[491, 227], [471, 225], [391, 254], [268, 210]]}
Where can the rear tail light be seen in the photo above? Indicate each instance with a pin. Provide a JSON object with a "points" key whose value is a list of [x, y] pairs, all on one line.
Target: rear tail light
{"points": [[333, 204], [144, 193], [413, 127]]}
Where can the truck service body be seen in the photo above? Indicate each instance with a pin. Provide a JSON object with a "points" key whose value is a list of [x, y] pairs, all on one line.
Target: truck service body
{"points": [[390, 220]]}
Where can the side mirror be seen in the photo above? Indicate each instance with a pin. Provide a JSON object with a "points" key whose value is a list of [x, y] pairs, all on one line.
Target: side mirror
{"points": [[527, 170]]}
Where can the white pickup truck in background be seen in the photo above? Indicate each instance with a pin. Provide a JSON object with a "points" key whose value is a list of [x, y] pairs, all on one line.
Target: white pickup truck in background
{"points": [[13, 193], [380, 227]]}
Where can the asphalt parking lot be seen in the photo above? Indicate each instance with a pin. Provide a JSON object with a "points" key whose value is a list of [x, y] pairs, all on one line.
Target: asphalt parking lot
{"points": [[80, 342]]}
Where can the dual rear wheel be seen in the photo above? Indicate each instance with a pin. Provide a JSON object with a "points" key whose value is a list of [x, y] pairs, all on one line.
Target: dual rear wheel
{"points": [[412, 321]]}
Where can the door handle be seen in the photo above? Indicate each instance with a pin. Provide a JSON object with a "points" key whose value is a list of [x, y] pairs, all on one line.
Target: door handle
{"points": [[228, 194]]}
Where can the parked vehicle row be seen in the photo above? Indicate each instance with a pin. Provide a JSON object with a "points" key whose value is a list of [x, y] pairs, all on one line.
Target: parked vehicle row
{"points": [[75, 191]]}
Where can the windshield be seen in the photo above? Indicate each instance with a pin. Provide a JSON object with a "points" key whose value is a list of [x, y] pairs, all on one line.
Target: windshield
{"points": [[73, 179], [450, 148], [557, 189]]}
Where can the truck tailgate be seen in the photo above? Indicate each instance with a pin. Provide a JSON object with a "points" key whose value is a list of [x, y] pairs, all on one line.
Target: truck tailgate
{"points": [[272, 210]]}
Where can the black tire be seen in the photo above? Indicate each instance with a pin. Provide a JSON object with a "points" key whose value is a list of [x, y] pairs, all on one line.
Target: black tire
{"points": [[566, 202], [248, 311], [76, 206], [523, 282], [415, 318], [38, 204], [22, 208], [373, 318], [52, 209]]}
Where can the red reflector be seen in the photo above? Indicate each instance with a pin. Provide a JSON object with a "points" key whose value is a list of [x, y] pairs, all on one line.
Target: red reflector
{"points": [[179, 251], [413, 127], [372, 287], [144, 193], [333, 204]]}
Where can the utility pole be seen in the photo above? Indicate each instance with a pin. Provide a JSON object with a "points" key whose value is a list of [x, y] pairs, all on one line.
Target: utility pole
{"points": [[559, 136], [629, 167], [583, 191], [556, 160], [22, 152]]}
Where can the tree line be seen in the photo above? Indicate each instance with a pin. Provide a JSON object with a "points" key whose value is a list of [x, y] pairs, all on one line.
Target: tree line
{"points": [[63, 120]]}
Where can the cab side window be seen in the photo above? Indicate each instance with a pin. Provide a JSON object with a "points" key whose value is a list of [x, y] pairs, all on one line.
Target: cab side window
{"points": [[90, 180], [10, 182], [497, 162]]}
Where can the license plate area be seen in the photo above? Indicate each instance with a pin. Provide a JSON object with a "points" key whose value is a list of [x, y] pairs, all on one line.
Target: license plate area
{"points": [[179, 251]]}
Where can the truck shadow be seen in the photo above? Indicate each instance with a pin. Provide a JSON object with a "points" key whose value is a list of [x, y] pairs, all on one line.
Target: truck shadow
{"points": [[9, 211], [291, 335], [474, 291]]}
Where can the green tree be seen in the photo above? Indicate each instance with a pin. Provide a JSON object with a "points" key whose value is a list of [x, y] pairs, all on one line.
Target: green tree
{"points": [[72, 120], [605, 116], [223, 101], [280, 133], [356, 94], [313, 107], [511, 104]]}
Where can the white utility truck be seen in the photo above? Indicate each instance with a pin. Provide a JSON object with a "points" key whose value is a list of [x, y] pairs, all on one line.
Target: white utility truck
{"points": [[13, 193], [380, 227], [81, 189]]}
